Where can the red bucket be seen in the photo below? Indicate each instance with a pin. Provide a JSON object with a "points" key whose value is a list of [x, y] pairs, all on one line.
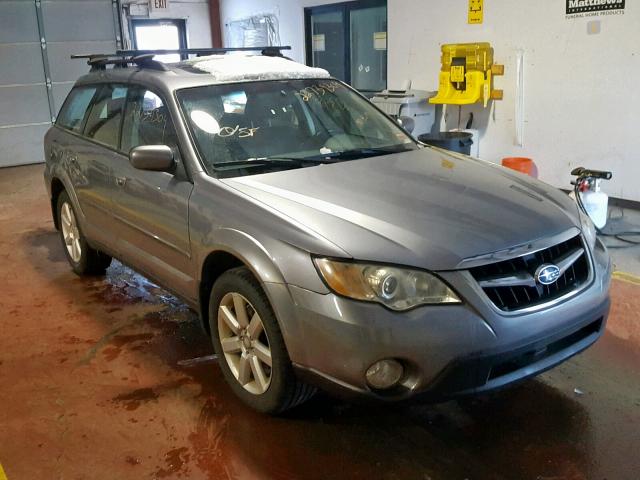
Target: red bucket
{"points": [[521, 164]]}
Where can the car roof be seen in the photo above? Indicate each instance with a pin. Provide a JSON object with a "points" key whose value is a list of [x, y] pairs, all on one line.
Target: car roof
{"points": [[209, 70]]}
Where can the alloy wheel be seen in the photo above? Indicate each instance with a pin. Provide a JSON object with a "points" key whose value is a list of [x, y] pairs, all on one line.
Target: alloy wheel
{"points": [[70, 232], [245, 343]]}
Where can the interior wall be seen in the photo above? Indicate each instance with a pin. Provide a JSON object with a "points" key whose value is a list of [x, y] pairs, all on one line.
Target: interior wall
{"points": [[581, 96], [194, 12], [580, 90]]}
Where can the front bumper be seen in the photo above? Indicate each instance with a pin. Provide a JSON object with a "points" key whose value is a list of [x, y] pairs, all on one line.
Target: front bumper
{"points": [[446, 350]]}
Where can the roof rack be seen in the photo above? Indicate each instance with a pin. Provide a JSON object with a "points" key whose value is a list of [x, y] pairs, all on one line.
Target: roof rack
{"points": [[271, 51], [99, 61], [144, 58]]}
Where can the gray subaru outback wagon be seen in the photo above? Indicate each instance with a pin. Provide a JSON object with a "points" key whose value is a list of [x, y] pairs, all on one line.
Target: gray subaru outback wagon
{"points": [[321, 245]]}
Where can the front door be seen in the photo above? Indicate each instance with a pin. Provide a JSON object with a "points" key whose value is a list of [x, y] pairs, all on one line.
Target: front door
{"points": [[151, 208]]}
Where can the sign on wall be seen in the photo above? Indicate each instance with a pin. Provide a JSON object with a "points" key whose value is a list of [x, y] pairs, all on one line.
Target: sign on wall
{"points": [[380, 40], [158, 5], [476, 11], [319, 43], [585, 8]]}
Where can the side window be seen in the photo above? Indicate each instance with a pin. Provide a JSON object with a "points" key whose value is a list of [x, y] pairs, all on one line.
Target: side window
{"points": [[103, 123], [146, 121], [75, 108]]}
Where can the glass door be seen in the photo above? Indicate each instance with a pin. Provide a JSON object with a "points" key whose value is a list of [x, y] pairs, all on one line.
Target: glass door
{"points": [[327, 29], [350, 41], [369, 48]]}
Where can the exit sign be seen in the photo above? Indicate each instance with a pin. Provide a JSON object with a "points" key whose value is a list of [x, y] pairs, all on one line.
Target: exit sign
{"points": [[158, 4]]}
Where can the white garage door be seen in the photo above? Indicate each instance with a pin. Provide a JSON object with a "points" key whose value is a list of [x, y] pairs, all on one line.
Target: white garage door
{"points": [[36, 40]]}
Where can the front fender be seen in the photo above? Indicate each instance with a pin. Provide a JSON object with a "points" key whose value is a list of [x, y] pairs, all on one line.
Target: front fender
{"points": [[271, 261], [247, 249]]}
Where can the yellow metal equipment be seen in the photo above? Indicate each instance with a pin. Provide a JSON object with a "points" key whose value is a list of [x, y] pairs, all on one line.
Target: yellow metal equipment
{"points": [[466, 75]]}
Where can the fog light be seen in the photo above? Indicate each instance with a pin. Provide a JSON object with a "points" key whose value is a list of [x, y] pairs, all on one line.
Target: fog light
{"points": [[384, 374]]}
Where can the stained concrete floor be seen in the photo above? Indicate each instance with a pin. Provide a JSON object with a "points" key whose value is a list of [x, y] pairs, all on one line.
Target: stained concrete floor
{"points": [[94, 385]]}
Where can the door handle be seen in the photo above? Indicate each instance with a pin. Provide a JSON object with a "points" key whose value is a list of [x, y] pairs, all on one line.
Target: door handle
{"points": [[120, 181]]}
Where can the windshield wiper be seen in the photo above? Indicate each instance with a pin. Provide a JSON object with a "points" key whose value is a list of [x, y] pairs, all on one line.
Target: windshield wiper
{"points": [[301, 159], [357, 153], [331, 157], [265, 161]]}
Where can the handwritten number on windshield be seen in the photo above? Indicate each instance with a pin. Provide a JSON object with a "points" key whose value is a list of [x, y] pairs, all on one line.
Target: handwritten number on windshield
{"points": [[319, 90], [243, 132]]}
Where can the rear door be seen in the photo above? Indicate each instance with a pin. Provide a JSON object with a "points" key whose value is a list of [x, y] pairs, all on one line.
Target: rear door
{"points": [[151, 209], [85, 162], [89, 159]]}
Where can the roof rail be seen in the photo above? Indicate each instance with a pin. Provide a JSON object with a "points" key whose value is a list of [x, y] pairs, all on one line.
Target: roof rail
{"points": [[272, 51]]}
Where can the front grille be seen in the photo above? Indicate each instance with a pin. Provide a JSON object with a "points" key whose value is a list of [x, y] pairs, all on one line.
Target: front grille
{"points": [[511, 285]]}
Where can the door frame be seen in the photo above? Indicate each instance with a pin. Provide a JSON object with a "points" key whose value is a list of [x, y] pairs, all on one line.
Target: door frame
{"points": [[345, 8]]}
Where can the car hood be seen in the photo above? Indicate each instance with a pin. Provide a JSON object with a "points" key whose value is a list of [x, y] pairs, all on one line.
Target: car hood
{"points": [[424, 208]]}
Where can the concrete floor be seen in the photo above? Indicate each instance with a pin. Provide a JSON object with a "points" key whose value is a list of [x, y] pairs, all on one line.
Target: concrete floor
{"points": [[94, 385]]}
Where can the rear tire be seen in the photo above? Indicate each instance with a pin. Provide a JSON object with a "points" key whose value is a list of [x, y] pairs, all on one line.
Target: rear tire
{"points": [[241, 317], [83, 259]]}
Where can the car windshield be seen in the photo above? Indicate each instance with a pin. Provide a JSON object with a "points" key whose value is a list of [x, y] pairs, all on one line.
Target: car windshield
{"points": [[253, 127]]}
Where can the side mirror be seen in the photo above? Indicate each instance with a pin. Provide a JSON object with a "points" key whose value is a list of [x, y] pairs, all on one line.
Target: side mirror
{"points": [[158, 158]]}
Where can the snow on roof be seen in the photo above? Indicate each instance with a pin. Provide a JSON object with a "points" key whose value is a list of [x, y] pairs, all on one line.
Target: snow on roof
{"points": [[238, 68]]}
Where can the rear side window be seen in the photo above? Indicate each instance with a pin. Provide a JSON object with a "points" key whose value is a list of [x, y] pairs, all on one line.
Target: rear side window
{"points": [[105, 114], [146, 121], [75, 107]]}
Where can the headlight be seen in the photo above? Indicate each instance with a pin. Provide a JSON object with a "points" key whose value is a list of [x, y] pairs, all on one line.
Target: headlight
{"points": [[588, 229], [396, 288]]}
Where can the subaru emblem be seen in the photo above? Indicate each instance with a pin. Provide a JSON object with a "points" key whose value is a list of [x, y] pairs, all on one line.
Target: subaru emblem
{"points": [[547, 274]]}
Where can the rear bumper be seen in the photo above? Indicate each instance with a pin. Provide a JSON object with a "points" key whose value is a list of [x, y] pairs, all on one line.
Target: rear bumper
{"points": [[447, 351]]}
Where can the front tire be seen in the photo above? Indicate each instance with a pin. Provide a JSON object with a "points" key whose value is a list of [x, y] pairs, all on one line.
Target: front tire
{"points": [[83, 259], [250, 348]]}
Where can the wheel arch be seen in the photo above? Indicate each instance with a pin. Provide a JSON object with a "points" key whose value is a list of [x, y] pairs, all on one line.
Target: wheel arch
{"points": [[246, 252], [57, 187]]}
